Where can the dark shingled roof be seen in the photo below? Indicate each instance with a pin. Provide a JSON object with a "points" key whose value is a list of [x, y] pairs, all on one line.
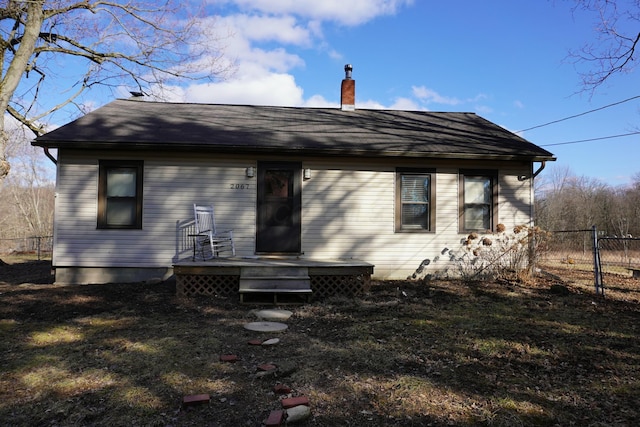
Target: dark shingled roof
{"points": [[143, 125]]}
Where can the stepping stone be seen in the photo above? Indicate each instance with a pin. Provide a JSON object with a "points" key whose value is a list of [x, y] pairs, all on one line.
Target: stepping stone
{"points": [[295, 401], [273, 314], [272, 341], [195, 399], [281, 389], [298, 413], [266, 326], [275, 418], [286, 368], [228, 358], [255, 342], [267, 367]]}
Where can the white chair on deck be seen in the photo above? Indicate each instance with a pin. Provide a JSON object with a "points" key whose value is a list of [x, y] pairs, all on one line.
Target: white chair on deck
{"points": [[208, 242]]}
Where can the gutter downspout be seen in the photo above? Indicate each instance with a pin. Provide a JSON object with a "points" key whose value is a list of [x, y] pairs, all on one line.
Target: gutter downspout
{"points": [[49, 155], [543, 163]]}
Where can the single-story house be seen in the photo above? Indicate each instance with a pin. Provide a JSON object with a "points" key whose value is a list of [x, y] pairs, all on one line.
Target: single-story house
{"points": [[390, 188]]}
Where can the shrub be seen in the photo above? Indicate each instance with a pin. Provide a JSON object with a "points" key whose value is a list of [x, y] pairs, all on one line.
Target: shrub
{"points": [[509, 255]]}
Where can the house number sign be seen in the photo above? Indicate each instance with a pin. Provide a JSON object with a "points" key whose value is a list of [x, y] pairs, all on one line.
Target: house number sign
{"points": [[239, 186]]}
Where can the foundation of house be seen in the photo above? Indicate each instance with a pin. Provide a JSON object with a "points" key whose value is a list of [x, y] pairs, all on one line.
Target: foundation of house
{"points": [[273, 280]]}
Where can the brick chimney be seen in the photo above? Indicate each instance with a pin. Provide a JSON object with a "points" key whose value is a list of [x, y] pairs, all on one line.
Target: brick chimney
{"points": [[348, 91]]}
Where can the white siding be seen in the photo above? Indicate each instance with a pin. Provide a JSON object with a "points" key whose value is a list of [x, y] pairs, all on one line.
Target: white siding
{"points": [[347, 211], [170, 189], [514, 198]]}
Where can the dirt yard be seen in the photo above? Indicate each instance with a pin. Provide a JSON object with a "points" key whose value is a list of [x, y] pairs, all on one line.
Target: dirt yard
{"points": [[439, 354]]}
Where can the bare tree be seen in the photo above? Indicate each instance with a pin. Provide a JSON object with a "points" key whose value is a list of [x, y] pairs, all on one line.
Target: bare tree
{"points": [[550, 200], [28, 195], [631, 197], [569, 202], [618, 35], [52, 51]]}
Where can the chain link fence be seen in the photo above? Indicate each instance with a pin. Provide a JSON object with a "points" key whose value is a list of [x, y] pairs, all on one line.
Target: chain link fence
{"points": [[41, 246], [568, 248], [586, 250], [619, 255]]}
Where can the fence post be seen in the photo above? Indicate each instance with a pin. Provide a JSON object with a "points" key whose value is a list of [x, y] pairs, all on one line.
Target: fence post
{"points": [[596, 263]]}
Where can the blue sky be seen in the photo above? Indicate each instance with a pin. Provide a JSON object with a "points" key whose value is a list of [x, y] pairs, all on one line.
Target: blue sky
{"points": [[506, 60]]}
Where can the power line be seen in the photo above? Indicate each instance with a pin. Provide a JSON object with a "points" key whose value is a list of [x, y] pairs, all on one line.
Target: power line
{"points": [[591, 139], [578, 115]]}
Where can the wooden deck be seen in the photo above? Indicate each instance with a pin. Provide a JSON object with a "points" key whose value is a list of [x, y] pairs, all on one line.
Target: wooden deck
{"points": [[276, 280]]}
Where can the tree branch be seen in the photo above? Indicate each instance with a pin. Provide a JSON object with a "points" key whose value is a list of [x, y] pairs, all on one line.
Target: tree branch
{"points": [[615, 51], [118, 42], [28, 123]]}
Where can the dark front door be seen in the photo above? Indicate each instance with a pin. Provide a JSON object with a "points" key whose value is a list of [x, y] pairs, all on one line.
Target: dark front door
{"points": [[278, 216]]}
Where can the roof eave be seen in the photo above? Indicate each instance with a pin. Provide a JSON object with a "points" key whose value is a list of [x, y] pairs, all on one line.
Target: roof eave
{"points": [[331, 152]]}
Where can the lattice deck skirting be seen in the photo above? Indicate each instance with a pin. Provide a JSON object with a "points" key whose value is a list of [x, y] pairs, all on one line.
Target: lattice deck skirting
{"points": [[227, 286], [188, 285], [224, 281], [339, 285]]}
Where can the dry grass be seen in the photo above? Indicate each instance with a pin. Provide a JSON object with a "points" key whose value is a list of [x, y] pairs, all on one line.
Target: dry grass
{"points": [[446, 353]]}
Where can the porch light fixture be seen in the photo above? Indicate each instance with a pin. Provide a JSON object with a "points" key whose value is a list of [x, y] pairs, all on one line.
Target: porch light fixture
{"points": [[250, 172], [306, 173]]}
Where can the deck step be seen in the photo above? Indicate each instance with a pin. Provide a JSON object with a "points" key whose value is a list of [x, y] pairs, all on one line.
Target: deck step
{"points": [[274, 280], [274, 271], [247, 284]]}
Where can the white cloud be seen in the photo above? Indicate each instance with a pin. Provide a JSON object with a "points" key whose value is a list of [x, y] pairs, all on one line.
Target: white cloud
{"points": [[431, 96], [258, 46], [334, 54], [353, 12], [282, 29], [483, 109], [268, 89], [318, 101], [276, 60], [406, 104], [262, 64], [263, 34], [370, 105], [518, 104], [315, 27], [248, 31]]}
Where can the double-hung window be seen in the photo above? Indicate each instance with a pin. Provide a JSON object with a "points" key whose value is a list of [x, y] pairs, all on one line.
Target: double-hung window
{"points": [[477, 200], [415, 202], [120, 194]]}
